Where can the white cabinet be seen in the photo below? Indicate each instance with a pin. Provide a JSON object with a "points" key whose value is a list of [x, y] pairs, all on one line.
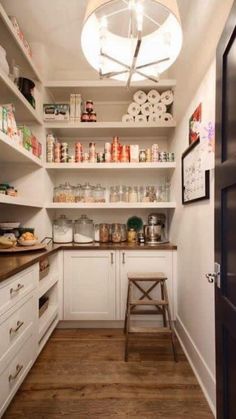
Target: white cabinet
{"points": [[146, 261], [89, 285]]}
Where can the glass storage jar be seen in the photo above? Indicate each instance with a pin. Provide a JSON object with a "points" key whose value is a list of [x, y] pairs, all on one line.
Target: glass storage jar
{"points": [[56, 194], [123, 232], [78, 193], [99, 193], [84, 230], [67, 193], [104, 233], [114, 194], [115, 233], [133, 194], [62, 230], [87, 193]]}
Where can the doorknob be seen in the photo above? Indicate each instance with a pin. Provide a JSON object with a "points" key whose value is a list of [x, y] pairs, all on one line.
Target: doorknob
{"points": [[215, 276]]}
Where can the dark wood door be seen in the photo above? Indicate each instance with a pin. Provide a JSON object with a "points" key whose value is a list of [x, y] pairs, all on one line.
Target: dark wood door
{"points": [[225, 221]]}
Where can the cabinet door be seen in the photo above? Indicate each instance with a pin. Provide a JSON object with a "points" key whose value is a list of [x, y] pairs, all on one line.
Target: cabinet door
{"points": [[89, 285], [145, 261]]}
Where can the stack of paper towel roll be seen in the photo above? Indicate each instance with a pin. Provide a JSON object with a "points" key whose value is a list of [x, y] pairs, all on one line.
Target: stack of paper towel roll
{"points": [[150, 107]]}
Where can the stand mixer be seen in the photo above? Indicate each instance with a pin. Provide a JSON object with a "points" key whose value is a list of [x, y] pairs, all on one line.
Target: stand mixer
{"points": [[154, 231]]}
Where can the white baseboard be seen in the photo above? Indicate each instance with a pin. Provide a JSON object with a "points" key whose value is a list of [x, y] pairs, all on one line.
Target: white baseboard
{"points": [[201, 370]]}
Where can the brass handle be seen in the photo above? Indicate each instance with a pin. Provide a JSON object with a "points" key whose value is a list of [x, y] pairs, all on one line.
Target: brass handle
{"points": [[14, 376], [112, 258], [19, 324], [17, 289], [123, 258]]}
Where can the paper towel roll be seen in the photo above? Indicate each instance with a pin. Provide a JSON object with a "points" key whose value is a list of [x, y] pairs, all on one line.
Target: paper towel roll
{"points": [[167, 97], [134, 109], [140, 118], [146, 109], [127, 118], [153, 96], [154, 118], [166, 117], [159, 108], [140, 97]]}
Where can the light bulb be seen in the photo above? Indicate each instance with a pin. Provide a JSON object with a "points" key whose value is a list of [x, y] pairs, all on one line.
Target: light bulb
{"points": [[103, 23], [139, 16]]}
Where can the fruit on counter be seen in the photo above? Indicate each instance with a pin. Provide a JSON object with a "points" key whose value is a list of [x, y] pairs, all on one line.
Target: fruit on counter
{"points": [[28, 236], [7, 243]]}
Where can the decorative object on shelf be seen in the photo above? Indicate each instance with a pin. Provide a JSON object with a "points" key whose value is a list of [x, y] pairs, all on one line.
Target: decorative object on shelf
{"points": [[135, 223], [155, 230], [89, 115], [195, 180], [195, 124], [8, 122], [28, 140], [20, 36], [26, 87], [6, 189], [119, 42], [152, 107], [4, 66]]}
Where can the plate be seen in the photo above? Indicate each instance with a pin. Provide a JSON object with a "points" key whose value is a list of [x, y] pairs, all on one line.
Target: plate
{"points": [[27, 242]]}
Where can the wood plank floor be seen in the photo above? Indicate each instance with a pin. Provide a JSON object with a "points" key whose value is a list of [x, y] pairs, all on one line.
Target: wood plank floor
{"points": [[81, 374]]}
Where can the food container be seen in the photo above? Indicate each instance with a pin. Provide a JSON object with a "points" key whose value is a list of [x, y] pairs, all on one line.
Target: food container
{"points": [[89, 106], [116, 233], [93, 117], [133, 194], [62, 230], [104, 233], [97, 233], [99, 193], [123, 233], [78, 193], [114, 194], [85, 117], [84, 230], [132, 235], [87, 193]]}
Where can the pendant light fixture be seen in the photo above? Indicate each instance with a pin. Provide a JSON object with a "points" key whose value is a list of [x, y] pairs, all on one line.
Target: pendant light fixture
{"points": [[131, 40]]}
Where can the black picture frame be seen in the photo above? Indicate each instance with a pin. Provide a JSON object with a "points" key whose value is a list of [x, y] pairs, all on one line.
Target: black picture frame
{"points": [[206, 194]]}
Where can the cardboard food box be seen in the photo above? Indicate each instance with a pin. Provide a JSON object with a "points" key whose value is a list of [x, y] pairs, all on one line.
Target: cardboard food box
{"points": [[56, 112]]}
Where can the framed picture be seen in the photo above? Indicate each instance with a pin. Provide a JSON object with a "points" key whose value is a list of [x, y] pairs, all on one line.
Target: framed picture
{"points": [[195, 180], [195, 124]]}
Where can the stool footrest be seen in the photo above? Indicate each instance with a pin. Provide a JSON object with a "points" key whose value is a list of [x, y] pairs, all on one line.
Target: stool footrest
{"points": [[158, 311], [147, 330], [148, 303]]}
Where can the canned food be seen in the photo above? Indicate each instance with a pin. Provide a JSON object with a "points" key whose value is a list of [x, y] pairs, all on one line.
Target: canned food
{"points": [[93, 117], [89, 106], [85, 117]]}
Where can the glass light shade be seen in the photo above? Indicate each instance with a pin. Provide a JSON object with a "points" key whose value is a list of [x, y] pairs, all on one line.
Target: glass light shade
{"points": [[106, 28]]}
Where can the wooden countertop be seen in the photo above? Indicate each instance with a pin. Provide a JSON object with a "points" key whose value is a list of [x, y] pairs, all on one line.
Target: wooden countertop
{"points": [[12, 264]]}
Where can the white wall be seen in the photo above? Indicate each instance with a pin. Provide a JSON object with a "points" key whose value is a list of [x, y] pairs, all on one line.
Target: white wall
{"points": [[192, 228]]}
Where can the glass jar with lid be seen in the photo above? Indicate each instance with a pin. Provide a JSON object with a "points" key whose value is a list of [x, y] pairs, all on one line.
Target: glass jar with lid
{"points": [[116, 233], [84, 230], [67, 193], [104, 233], [133, 194], [56, 194], [87, 193], [114, 194], [78, 193], [99, 193], [123, 232], [62, 230]]}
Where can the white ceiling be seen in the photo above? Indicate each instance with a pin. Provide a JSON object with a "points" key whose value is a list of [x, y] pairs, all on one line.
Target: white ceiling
{"points": [[56, 25]]}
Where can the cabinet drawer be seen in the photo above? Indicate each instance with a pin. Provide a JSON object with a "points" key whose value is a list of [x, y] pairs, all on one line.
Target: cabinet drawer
{"points": [[17, 287], [15, 327], [14, 373]]}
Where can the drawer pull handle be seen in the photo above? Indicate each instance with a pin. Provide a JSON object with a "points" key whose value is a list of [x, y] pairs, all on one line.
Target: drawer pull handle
{"points": [[112, 258], [123, 258], [19, 324], [17, 289], [18, 370]]}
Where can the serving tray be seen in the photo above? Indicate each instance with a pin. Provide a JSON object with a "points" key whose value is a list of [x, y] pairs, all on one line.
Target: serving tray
{"points": [[38, 246]]}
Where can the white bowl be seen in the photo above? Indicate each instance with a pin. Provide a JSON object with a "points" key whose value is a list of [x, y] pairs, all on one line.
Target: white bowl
{"points": [[27, 242]]}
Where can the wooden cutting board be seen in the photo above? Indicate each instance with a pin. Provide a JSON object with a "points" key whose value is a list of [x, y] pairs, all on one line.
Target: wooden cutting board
{"points": [[38, 246]]}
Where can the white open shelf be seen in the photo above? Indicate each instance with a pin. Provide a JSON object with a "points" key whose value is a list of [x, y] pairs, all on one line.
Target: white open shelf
{"points": [[111, 166], [109, 129], [11, 152], [110, 205], [15, 45], [46, 319], [17, 200], [24, 112], [104, 90], [46, 283]]}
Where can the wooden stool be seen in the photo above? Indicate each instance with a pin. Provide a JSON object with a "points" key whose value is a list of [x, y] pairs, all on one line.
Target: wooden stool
{"points": [[159, 306]]}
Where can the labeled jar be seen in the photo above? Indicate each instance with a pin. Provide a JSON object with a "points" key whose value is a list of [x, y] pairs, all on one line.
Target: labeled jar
{"points": [[132, 235]]}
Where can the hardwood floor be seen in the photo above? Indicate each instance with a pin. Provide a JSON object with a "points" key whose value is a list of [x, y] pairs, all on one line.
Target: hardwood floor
{"points": [[81, 374]]}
